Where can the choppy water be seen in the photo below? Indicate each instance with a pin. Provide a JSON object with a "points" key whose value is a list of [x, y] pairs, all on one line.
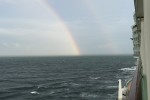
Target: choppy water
{"points": [[63, 78]]}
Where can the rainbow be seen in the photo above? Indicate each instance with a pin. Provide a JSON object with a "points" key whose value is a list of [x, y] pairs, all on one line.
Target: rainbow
{"points": [[106, 33], [66, 30]]}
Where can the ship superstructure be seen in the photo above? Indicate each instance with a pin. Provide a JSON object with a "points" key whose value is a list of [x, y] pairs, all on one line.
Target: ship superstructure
{"points": [[140, 84]]}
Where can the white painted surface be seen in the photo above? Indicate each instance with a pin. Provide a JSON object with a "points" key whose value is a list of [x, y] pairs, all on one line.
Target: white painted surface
{"points": [[147, 40], [120, 90], [142, 49]]}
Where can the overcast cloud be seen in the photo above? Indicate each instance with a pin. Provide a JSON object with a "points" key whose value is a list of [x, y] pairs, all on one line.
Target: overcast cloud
{"points": [[97, 26]]}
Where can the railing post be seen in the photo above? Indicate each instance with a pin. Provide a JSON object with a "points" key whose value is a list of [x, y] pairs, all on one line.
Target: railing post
{"points": [[120, 90]]}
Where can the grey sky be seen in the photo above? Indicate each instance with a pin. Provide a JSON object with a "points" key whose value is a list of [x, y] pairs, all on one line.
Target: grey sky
{"points": [[42, 27]]}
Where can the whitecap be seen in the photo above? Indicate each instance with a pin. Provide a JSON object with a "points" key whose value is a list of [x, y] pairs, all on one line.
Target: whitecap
{"points": [[52, 92], [112, 87], [74, 84], [87, 95], [42, 86], [34, 92], [94, 78], [128, 69]]}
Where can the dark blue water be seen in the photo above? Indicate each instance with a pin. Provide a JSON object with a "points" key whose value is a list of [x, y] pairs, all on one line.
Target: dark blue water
{"points": [[63, 78]]}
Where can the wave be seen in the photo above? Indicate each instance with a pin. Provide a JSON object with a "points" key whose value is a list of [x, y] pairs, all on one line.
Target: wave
{"points": [[87, 95], [34, 92], [46, 87], [71, 84], [108, 81], [128, 69], [74, 84], [94, 78], [52, 92], [10, 95], [19, 88], [112, 87]]}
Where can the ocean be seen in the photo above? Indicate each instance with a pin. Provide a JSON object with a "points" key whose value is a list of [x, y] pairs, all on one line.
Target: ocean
{"points": [[63, 78]]}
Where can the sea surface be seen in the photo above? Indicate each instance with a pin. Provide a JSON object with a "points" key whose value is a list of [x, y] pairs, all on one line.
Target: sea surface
{"points": [[63, 78]]}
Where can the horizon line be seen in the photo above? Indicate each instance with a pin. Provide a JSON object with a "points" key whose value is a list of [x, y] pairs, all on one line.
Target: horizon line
{"points": [[66, 55]]}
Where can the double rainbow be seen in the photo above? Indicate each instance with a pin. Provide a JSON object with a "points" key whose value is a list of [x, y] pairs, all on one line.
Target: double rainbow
{"points": [[66, 31]]}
